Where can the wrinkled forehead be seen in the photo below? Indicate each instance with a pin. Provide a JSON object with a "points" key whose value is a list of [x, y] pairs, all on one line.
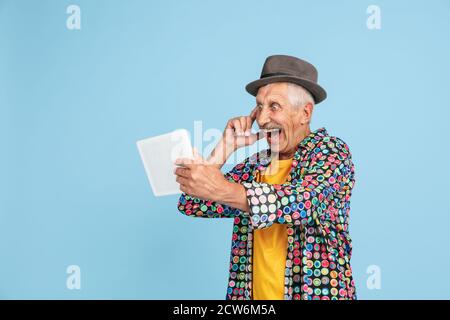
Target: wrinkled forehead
{"points": [[272, 92]]}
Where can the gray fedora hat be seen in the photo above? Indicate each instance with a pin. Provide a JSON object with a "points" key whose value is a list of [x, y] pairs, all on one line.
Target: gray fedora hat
{"points": [[283, 68]]}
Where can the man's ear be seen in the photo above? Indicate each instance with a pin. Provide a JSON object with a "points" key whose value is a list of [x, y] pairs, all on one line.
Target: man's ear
{"points": [[307, 112]]}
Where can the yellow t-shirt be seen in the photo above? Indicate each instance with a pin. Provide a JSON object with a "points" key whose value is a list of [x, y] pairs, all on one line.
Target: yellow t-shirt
{"points": [[270, 244]]}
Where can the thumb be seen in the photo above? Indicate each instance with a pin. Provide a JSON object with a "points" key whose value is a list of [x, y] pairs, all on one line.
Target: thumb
{"points": [[197, 157]]}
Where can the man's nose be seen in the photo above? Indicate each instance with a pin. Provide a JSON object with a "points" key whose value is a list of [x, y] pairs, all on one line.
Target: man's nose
{"points": [[263, 117]]}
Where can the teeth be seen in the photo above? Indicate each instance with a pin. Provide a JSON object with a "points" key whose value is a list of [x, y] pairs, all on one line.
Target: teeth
{"points": [[271, 130]]}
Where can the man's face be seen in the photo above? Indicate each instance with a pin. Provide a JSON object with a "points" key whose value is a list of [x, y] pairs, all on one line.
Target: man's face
{"points": [[275, 111]]}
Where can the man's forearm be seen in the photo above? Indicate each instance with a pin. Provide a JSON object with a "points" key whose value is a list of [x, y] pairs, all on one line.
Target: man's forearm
{"points": [[234, 195]]}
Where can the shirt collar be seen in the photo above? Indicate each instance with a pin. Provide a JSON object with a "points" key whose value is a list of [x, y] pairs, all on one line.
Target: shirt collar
{"points": [[308, 143]]}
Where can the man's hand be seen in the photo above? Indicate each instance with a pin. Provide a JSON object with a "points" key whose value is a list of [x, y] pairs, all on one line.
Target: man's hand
{"points": [[201, 179], [238, 131], [237, 134]]}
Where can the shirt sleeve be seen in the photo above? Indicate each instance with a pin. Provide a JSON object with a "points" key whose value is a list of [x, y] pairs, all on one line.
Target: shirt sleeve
{"points": [[314, 199], [195, 207]]}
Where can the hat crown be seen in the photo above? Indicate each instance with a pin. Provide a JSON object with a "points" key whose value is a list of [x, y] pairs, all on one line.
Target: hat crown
{"points": [[284, 68], [288, 65]]}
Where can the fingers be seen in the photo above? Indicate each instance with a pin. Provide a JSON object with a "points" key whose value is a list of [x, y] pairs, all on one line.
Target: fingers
{"points": [[241, 125], [182, 181], [184, 189], [248, 131], [185, 162], [183, 178], [253, 113], [236, 125], [184, 185], [182, 172], [197, 157], [189, 163]]}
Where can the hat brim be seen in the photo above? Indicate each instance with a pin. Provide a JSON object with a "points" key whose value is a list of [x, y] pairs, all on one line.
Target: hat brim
{"points": [[318, 93]]}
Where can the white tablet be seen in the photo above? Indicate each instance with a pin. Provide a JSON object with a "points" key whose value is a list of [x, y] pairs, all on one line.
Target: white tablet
{"points": [[158, 155]]}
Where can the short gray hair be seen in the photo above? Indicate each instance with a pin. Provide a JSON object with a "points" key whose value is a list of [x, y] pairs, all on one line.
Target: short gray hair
{"points": [[299, 96]]}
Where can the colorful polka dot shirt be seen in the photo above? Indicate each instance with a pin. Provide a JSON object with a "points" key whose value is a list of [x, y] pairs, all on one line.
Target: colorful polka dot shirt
{"points": [[314, 204]]}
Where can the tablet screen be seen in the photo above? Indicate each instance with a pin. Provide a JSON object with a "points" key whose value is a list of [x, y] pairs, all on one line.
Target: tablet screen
{"points": [[158, 155]]}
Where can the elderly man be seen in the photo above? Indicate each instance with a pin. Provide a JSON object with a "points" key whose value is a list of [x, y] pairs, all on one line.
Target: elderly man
{"points": [[291, 211]]}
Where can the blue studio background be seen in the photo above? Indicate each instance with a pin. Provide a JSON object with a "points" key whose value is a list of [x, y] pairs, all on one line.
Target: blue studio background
{"points": [[73, 103]]}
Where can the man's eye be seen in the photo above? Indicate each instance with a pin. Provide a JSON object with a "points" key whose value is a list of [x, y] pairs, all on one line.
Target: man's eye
{"points": [[275, 106]]}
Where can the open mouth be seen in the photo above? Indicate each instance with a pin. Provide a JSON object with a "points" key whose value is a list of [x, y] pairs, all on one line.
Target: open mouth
{"points": [[273, 133]]}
